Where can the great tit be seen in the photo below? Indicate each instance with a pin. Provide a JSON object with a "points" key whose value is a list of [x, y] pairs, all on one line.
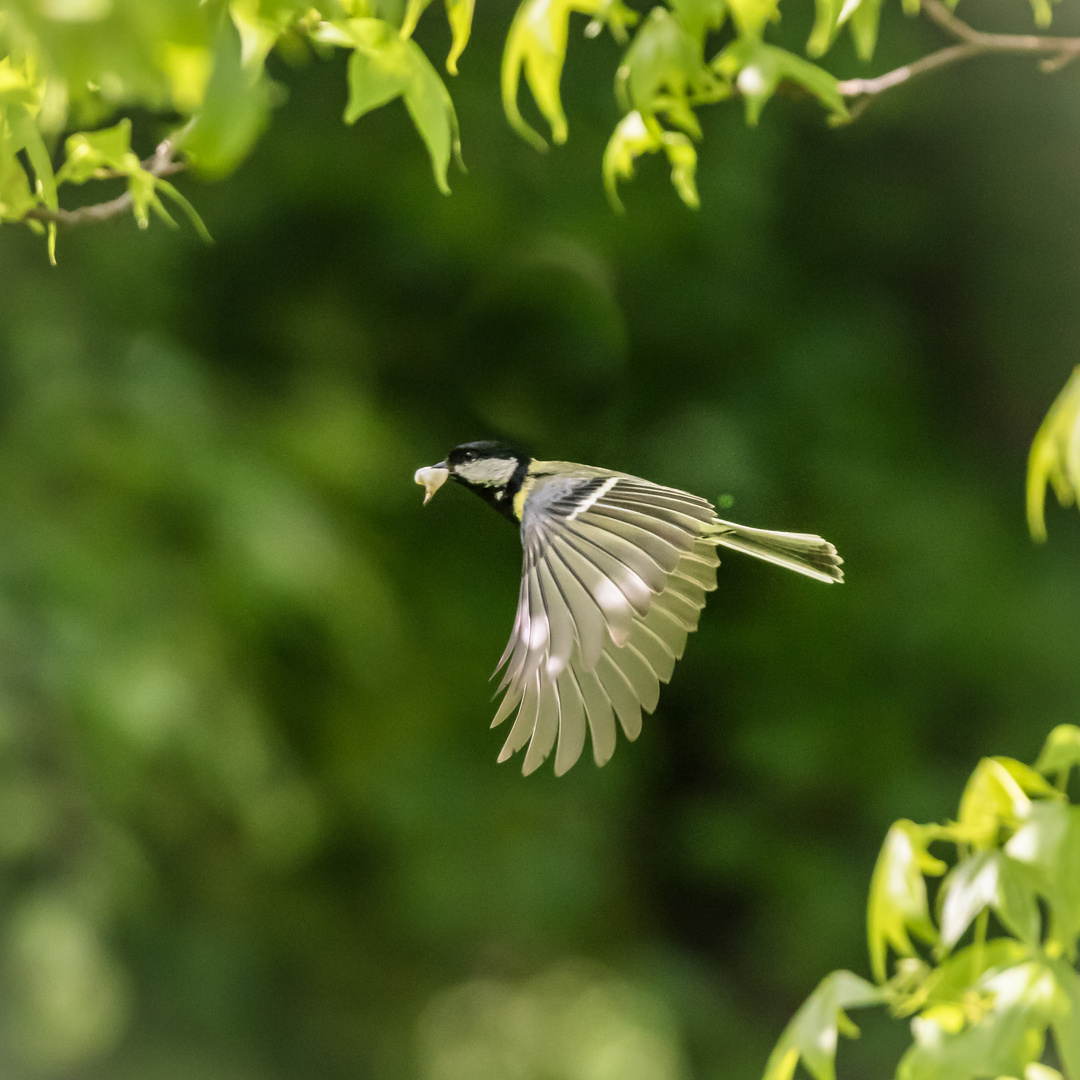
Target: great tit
{"points": [[615, 575]]}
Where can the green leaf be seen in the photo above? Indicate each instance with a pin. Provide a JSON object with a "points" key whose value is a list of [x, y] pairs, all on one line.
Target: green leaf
{"points": [[432, 111], [384, 66], [898, 902], [378, 71], [536, 44], [861, 16], [864, 22], [234, 112], [413, 10], [1048, 844], [1043, 10], [699, 17], [995, 798], [1055, 457], [192, 214], [26, 137], [954, 977], [758, 69], [1061, 751], [988, 879], [813, 1031], [86, 153], [459, 14], [826, 25], [1066, 1024], [752, 16], [635, 135], [1000, 1033]]}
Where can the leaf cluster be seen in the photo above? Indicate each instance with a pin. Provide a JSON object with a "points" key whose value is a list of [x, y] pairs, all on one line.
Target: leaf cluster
{"points": [[201, 71], [981, 1004]]}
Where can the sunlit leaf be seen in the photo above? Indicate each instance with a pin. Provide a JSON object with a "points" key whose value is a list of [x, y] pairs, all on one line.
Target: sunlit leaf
{"points": [[663, 72], [752, 16], [999, 1033], [1043, 11], [864, 22], [635, 136], [258, 31], [812, 1033], [234, 112], [188, 68], [536, 44], [380, 67], [25, 136], [413, 10], [826, 25], [1055, 457], [699, 17], [459, 13], [432, 111], [1066, 1024], [994, 797], [1061, 751], [988, 879], [758, 69], [88, 152], [384, 66], [1048, 844], [898, 901]]}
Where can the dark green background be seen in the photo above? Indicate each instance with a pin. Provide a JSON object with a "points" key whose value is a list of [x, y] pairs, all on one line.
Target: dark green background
{"points": [[251, 822]]}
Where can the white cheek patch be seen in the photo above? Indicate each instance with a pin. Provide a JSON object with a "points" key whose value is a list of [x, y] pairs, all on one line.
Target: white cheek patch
{"points": [[489, 472]]}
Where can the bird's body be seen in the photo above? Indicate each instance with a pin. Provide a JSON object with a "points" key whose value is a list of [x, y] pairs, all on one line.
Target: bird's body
{"points": [[616, 572]]}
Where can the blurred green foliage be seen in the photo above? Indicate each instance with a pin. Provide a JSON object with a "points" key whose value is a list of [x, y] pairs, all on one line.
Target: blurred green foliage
{"points": [[985, 1009], [251, 825]]}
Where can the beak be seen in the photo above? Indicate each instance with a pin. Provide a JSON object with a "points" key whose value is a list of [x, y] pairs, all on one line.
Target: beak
{"points": [[431, 479]]}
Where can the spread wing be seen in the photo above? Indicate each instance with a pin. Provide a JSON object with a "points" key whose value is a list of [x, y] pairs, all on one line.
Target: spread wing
{"points": [[615, 575]]}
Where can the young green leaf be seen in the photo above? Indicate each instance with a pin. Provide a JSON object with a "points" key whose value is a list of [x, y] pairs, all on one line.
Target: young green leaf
{"points": [[826, 25], [813, 1031], [1000, 1033], [459, 14], [1048, 844], [234, 112], [635, 135], [1055, 457], [898, 902], [1061, 751], [758, 69], [432, 111], [752, 16], [993, 798], [699, 17], [988, 879], [1066, 1024], [536, 44], [864, 22]]}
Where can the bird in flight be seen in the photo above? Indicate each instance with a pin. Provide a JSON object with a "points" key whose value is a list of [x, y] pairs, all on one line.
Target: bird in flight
{"points": [[615, 575]]}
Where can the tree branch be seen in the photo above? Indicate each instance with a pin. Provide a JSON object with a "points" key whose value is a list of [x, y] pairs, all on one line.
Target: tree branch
{"points": [[971, 42], [161, 164]]}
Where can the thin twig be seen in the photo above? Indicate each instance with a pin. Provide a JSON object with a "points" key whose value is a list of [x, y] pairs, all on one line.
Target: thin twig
{"points": [[971, 42], [161, 164]]}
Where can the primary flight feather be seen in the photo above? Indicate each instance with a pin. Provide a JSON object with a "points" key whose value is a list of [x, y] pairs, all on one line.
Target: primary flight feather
{"points": [[616, 571]]}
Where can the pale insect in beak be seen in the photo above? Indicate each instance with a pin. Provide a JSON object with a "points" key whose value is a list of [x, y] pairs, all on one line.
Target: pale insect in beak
{"points": [[431, 479]]}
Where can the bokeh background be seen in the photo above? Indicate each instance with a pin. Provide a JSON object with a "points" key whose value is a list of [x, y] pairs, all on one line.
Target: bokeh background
{"points": [[251, 824]]}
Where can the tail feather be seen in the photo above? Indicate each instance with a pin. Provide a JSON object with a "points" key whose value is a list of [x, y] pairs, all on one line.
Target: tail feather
{"points": [[802, 552]]}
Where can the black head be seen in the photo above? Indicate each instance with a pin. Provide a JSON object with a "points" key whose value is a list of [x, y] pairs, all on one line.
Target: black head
{"points": [[494, 470]]}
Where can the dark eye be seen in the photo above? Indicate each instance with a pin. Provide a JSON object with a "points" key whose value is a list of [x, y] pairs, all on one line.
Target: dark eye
{"points": [[469, 455]]}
